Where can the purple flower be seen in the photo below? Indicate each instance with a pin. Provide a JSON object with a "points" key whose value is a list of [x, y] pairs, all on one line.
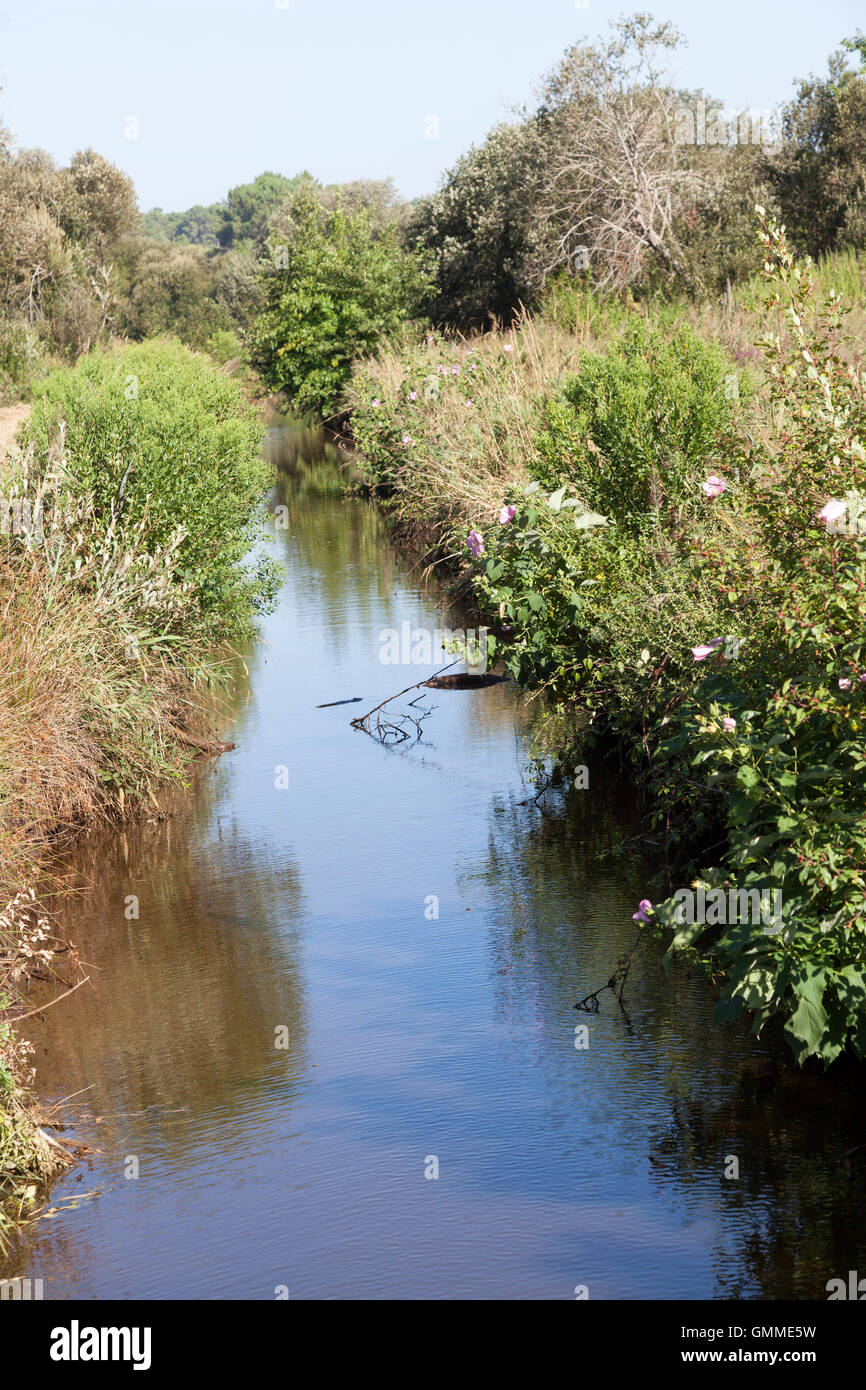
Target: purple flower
{"points": [[729, 724], [407, 439], [507, 514], [475, 541], [844, 683], [714, 486], [833, 509], [644, 908], [376, 401], [455, 371], [413, 395], [700, 653]]}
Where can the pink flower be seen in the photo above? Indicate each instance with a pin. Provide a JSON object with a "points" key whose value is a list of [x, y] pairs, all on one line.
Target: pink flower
{"points": [[473, 366], [699, 653], [455, 371], [644, 908], [470, 401], [832, 510], [507, 514], [413, 395], [844, 683], [507, 347], [376, 401], [729, 724], [475, 541], [863, 677], [714, 486], [407, 439]]}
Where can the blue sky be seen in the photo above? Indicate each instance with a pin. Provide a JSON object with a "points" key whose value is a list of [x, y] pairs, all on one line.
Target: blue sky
{"points": [[223, 89]]}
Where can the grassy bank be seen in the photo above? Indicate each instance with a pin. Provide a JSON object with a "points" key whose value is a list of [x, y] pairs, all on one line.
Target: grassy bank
{"points": [[131, 501], [640, 500]]}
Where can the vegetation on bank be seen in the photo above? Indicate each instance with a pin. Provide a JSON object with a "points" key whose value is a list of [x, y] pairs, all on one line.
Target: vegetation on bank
{"points": [[138, 483], [131, 505], [646, 526]]}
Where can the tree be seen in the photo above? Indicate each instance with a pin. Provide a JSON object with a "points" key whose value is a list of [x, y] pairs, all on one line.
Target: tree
{"points": [[620, 180], [478, 226], [819, 176], [100, 205], [169, 289], [331, 290], [249, 207]]}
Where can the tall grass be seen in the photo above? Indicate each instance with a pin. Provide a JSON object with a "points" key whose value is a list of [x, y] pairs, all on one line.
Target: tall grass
{"points": [[473, 421]]}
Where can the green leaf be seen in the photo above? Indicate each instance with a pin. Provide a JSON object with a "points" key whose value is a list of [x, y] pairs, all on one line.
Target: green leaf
{"points": [[808, 1022], [686, 934], [587, 519]]}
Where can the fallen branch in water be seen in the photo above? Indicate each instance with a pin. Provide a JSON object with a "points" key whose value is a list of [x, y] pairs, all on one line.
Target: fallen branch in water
{"points": [[41, 1010], [395, 729], [589, 1003], [464, 680], [205, 745]]}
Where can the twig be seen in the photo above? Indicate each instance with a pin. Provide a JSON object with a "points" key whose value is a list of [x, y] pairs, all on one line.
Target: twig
{"points": [[617, 981], [395, 730], [65, 995]]}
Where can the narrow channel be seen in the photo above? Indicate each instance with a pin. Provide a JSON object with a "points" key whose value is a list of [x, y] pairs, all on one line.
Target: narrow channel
{"points": [[334, 1054]]}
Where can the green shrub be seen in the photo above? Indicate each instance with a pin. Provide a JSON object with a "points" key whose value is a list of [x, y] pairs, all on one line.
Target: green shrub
{"points": [[332, 291], [155, 432], [727, 643], [630, 431]]}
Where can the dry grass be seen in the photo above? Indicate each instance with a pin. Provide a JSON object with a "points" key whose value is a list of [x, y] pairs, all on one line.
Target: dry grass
{"points": [[28, 1156], [476, 439], [80, 724]]}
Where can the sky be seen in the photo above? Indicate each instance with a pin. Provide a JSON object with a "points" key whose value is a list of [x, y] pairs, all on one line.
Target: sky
{"points": [[193, 97]]}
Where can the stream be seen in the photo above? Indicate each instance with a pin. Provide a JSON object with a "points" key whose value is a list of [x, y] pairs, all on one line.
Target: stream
{"points": [[334, 1053]]}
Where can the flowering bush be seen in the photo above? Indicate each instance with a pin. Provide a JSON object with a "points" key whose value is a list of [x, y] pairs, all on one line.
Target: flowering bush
{"points": [[759, 724], [781, 736]]}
